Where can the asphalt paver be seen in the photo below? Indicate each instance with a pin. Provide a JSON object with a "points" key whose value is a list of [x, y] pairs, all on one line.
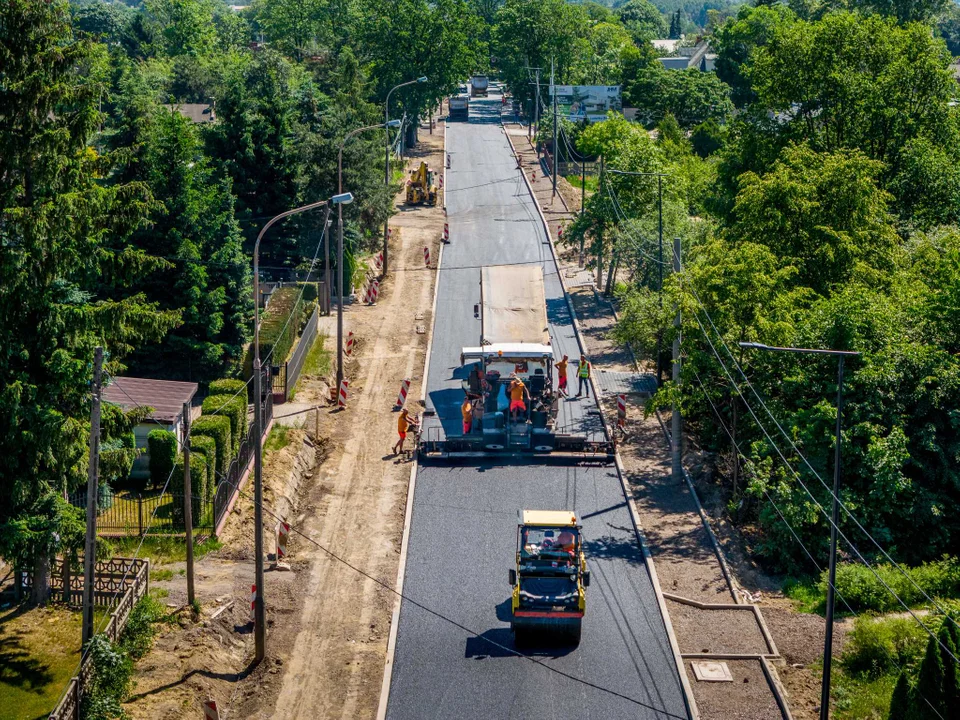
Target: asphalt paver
{"points": [[455, 656]]}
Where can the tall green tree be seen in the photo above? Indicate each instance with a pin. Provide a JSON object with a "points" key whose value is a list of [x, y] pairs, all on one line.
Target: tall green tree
{"points": [[691, 96], [62, 231]]}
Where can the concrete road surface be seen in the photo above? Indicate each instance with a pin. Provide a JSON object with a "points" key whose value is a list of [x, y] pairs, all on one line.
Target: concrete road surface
{"points": [[455, 656]]}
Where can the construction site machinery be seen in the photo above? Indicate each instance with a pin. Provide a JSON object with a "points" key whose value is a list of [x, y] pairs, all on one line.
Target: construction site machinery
{"points": [[479, 84], [460, 107], [422, 186], [515, 345], [549, 581]]}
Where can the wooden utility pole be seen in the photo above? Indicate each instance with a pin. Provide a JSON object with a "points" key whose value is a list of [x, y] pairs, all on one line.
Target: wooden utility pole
{"points": [[188, 502], [676, 469], [553, 91], [93, 472]]}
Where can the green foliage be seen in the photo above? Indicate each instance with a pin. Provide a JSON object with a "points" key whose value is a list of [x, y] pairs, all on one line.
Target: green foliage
{"points": [[62, 231], [198, 484], [228, 386], [163, 449], [109, 682], [707, 138], [138, 633], [878, 646], [218, 428], [861, 589], [207, 446], [235, 408], [279, 325], [278, 438], [642, 19], [900, 702]]}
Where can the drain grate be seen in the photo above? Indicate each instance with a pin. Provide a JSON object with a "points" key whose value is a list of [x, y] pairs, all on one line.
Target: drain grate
{"points": [[711, 671], [421, 329]]}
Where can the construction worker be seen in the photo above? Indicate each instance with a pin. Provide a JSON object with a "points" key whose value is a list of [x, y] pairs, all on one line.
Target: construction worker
{"points": [[583, 376], [403, 424], [517, 392], [467, 411], [562, 376]]}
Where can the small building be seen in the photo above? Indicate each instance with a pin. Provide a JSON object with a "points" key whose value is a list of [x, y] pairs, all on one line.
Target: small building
{"points": [[666, 45], [165, 397], [195, 112], [675, 63]]}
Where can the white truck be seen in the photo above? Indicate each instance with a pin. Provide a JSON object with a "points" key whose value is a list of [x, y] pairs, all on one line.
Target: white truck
{"points": [[460, 107]]}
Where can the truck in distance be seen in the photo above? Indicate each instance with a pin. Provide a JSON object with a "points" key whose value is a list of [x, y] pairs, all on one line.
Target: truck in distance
{"points": [[460, 107], [550, 580], [479, 85]]}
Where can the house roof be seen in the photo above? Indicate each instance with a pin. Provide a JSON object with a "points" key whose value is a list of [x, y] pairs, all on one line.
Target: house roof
{"points": [[195, 112], [166, 397], [665, 45]]}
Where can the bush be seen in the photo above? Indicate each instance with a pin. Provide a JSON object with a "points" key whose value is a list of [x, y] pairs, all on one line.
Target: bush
{"points": [[137, 636], [207, 446], [227, 386], [109, 682], [162, 446], [218, 428], [863, 591], [877, 647], [276, 335], [232, 407], [198, 486]]}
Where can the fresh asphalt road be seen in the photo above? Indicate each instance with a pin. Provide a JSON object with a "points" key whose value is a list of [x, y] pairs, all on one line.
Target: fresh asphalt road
{"points": [[456, 658]]}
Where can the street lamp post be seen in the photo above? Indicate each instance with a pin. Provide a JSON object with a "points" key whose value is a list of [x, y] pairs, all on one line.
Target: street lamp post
{"points": [[259, 608], [835, 513], [386, 161], [388, 124]]}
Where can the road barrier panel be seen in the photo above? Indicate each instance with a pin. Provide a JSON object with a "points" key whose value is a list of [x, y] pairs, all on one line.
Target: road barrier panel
{"points": [[426, 256], [283, 533], [349, 347], [404, 389], [210, 711], [446, 233], [342, 397], [253, 603], [621, 411]]}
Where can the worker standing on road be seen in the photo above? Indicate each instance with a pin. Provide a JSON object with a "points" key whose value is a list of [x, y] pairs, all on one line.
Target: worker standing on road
{"points": [[403, 424], [583, 376], [467, 411], [517, 392], [562, 376]]}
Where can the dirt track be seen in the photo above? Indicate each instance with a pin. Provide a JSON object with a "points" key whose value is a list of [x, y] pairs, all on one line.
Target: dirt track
{"points": [[327, 623]]}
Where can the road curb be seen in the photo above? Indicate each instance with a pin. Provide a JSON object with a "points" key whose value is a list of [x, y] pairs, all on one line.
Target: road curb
{"points": [[618, 463], [398, 587]]}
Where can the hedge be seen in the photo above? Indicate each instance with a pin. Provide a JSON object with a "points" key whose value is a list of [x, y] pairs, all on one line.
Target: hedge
{"points": [[198, 486], [228, 386], [863, 591], [234, 408], [207, 446], [218, 428], [276, 335], [162, 446]]}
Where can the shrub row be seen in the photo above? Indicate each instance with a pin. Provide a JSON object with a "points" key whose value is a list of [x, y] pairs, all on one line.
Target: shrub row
{"points": [[198, 485], [276, 335], [861, 589], [162, 446], [216, 427], [207, 446], [233, 407]]}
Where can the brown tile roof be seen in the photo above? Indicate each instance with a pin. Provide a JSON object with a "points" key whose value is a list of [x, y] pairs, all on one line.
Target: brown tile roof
{"points": [[166, 397]]}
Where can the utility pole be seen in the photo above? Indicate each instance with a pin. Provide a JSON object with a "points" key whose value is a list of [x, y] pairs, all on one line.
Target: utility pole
{"points": [[553, 92], [583, 182], [93, 473], [259, 608], [676, 469], [536, 114], [660, 268], [188, 502]]}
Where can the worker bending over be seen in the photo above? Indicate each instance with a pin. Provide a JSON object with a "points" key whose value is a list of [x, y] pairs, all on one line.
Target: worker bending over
{"points": [[517, 393]]}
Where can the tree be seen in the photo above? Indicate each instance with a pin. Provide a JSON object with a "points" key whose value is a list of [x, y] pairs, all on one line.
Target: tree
{"points": [[676, 26], [183, 27], [691, 96], [823, 212], [905, 11], [101, 19], [193, 225], [62, 230], [900, 703], [642, 19], [294, 26], [707, 138]]}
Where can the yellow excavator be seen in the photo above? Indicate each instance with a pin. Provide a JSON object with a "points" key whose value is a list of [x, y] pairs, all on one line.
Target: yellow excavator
{"points": [[421, 187]]}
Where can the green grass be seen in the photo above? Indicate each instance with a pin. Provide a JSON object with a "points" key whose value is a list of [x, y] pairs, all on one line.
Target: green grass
{"points": [[317, 363], [278, 438], [805, 594], [591, 182], [39, 652], [161, 575], [164, 550], [862, 698]]}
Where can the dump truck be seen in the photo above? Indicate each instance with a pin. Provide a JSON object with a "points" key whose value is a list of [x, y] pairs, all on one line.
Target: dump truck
{"points": [[514, 345], [422, 187], [479, 84], [551, 576], [460, 107]]}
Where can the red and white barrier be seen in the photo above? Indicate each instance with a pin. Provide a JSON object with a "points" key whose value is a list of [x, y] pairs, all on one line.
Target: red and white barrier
{"points": [[378, 258], [349, 346], [448, 160], [559, 232], [404, 389], [534, 175], [283, 532], [342, 397], [441, 181], [253, 603], [446, 232], [426, 256], [621, 411], [210, 711], [374, 292]]}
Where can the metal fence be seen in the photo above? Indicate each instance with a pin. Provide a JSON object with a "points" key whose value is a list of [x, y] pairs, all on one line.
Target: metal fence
{"points": [[147, 513], [118, 583], [285, 376]]}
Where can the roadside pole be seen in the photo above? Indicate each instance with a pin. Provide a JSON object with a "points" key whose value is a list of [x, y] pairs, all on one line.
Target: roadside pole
{"points": [[676, 468], [188, 502], [93, 471], [553, 91]]}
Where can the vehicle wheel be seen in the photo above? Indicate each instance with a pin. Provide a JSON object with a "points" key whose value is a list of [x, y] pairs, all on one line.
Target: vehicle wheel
{"points": [[575, 634], [520, 637]]}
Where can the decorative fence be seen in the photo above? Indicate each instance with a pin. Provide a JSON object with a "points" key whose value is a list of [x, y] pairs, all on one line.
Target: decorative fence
{"points": [[285, 376], [118, 583], [148, 513]]}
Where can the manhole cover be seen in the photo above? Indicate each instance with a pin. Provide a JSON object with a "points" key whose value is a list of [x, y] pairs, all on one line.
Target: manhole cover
{"points": [[419, 316], [421, 329], [711, 671]]}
